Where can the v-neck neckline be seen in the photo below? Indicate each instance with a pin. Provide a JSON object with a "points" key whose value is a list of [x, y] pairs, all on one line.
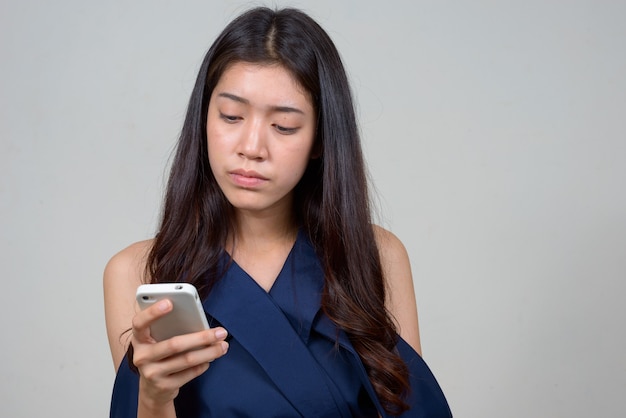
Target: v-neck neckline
{"points": [[280, 272]]}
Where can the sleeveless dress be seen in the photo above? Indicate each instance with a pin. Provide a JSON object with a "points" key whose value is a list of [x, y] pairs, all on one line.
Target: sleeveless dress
{"points": [[286, 358]]}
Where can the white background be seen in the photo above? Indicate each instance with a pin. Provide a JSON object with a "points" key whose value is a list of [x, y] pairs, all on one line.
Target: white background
{"points": [[495, 133]]}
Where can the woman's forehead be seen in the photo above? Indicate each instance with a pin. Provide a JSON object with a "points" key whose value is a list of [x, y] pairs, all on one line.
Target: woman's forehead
{"points": [[262, 84]]}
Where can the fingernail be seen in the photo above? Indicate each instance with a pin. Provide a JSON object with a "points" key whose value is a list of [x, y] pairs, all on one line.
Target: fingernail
{"points": [[164, 305], [224, 347], [221, 333]]}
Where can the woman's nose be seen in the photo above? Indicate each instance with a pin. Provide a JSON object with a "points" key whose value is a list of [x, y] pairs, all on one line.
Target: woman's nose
{"points": [[252, 144]]}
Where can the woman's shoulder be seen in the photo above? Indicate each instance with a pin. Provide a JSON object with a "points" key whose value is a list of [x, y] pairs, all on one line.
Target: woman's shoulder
{"points": [[389, 245], [124, 272], [394, 258], [129, 261], [400, 295]]}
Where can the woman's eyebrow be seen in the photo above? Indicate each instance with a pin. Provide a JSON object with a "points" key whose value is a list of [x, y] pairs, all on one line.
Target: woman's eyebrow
{"points": [[282, 109], [234, 97]]}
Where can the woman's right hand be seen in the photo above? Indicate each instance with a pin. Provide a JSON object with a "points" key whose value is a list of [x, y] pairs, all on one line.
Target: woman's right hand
{"points": [[167, 365]]}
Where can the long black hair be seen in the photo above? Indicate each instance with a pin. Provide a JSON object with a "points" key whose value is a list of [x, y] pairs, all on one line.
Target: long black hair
{"points": [[331, 201]]}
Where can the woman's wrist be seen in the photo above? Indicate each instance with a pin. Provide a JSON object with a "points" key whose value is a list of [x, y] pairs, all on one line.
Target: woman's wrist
{"points": [[155, 407], [148, 408]]}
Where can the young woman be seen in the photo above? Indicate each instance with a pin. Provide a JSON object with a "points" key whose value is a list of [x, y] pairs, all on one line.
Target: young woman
{"points": [[312, 308]]}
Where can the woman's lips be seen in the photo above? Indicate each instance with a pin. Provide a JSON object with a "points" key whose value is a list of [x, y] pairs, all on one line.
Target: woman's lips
{"points": [[247, 178]]}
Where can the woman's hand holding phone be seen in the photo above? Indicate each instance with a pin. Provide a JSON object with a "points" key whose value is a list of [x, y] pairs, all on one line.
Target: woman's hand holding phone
{"points": [[164, 366]]}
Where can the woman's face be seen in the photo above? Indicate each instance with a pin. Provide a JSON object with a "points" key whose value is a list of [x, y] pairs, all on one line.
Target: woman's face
{"points": [[260, 133]]}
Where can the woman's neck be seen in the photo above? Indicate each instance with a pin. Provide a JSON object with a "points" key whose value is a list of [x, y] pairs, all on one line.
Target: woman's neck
{"points": [[261, 245], [262, 232]]}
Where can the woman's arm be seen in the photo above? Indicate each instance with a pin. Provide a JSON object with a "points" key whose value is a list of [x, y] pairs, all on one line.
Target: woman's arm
{"points": [[400, 300], [163, 366], [122, 275]]}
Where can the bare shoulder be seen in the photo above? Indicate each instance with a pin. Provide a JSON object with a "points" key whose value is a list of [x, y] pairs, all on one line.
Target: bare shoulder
{"points": [[131, 261], [400, 300], [390, 247], [122, 275]]}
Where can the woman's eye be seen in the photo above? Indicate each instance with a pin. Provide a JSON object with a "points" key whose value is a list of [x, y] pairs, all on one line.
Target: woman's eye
{"points": [[284, 130], [229, 118]]}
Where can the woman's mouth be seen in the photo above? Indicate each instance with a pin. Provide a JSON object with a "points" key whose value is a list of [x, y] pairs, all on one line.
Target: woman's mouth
{"points": [[247, 178]]}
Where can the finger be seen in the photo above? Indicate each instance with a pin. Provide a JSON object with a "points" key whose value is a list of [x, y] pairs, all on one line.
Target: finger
{"points": [[180, 364], [195, 358], [143, 319], [175, 380], [188, 342], [186, 375]]}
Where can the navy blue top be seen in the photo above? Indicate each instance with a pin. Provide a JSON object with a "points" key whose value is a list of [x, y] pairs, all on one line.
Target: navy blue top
{"points": [[286, 358]]}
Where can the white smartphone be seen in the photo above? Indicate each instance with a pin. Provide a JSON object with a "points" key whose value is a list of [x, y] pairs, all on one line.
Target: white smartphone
{"points": [[186, 316]]}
